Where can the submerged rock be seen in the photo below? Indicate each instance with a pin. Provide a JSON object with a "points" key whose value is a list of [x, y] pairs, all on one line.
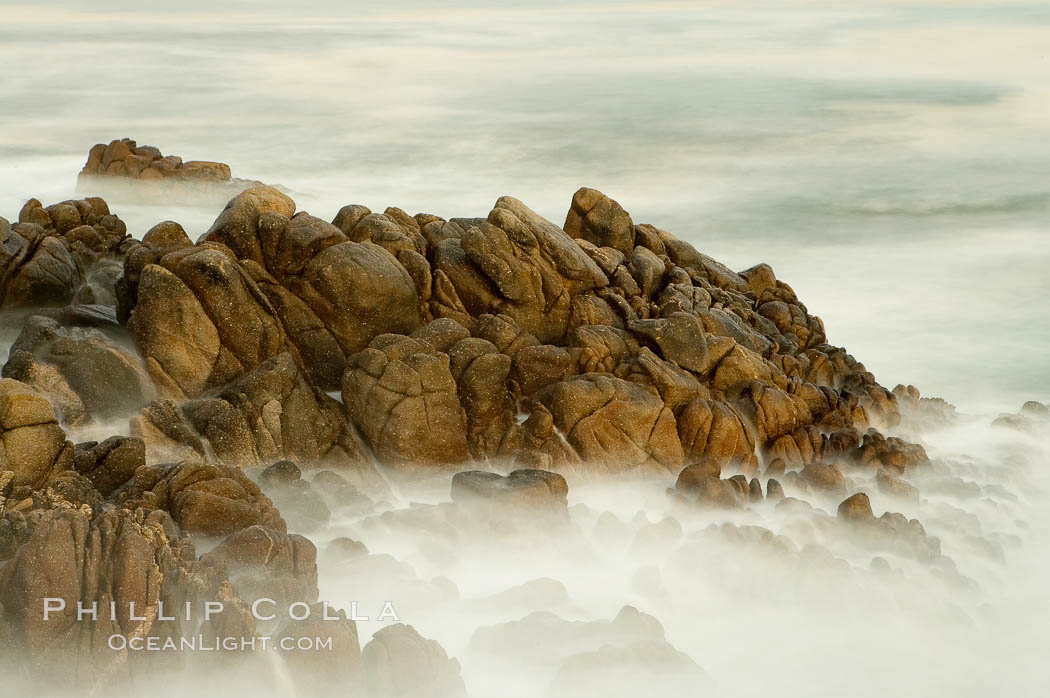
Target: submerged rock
{"points": [[83, 373], [654, 668], [534, 490], [401, 663]]}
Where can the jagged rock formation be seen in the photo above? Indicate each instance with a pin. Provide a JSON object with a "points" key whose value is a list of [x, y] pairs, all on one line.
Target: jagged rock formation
{"points": [[99, 527], [33, 444], [643, 358], [60, 254], [466, 344], [84, 374], [125, 158]]}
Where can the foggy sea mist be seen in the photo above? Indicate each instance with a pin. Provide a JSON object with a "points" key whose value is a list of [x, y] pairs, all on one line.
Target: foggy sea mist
{"points": [[890, 161]]}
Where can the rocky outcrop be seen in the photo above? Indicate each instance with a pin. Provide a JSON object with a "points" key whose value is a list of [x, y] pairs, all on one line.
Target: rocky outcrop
{"points": [[599, 220], [529, 490], [400, 663], [266, 563], [32, 444], [261, 281], [109, 464], [514, 263], [59, 254], [605, 345], [271, 413], [125, 158], [75, 555], [81, 371], [614, 424], [400, 393], [200, 320], [279, 343], [205, 499], [715, 432], [167, 433], [856, 508], [1033, 417], [702, 484], [137, 567]]}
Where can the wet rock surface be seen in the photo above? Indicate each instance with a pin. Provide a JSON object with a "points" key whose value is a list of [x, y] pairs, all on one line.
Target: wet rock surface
{"points": [[176, 416], [125, 158]]}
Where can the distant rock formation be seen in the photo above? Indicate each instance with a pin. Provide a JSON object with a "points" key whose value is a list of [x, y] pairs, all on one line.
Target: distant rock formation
{"points": [[125, 158]]}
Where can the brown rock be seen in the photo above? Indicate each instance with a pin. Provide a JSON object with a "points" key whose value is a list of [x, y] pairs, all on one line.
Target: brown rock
{"points": [[533, 490], [697, 482], [481, 373], [73, 555], [237, 226], [613, 424], [210, 500], [600, 220], [856, 508], [262, 561], [167, 434], [109, 464], [536, 367], [403, 398], [270, 414], [824, 477], [715, 431], [32, 445], [680, 338], [85, 374], [204, 171]]}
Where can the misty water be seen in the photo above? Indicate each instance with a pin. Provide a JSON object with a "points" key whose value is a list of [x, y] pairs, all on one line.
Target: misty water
{"points": [[891, 161]]}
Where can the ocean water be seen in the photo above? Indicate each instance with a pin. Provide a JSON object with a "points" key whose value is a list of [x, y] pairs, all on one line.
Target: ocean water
{"points": [[890, 160]]}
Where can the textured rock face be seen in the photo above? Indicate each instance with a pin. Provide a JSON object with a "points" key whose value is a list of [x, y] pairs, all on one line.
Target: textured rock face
{"points": [[518, 264], [70, 554], [272, 413], [109, 464], [32, 444], [615, 423], [604, 345], [401, 395], [201, 321], [625, 347], [142, 561], [261, 560], [715, 432], [125, 158], [599, 220], [83, 373], [333, 294], [261, 281], [211, 500], [56, 253], [476, 344]]}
